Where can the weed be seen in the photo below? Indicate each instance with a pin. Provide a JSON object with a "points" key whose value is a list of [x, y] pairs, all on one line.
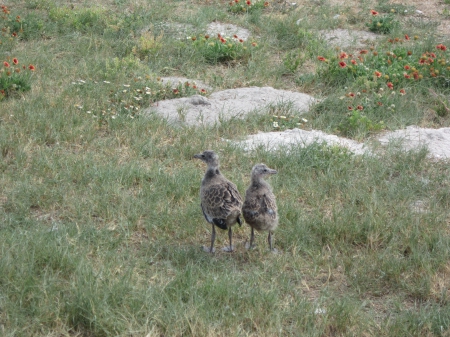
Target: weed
{"points": [[221, 49], [382, 24], [14, 78], [247, 6], [148, 45]]}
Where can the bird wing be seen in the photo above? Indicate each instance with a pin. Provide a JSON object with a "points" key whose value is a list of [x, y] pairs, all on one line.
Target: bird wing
{"points": [[259, 206], [220, 200]]}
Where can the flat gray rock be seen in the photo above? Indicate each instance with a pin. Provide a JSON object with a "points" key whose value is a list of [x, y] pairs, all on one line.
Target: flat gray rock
{"points": [[345, 38], [227, 30], [281, 139], [227, 104], [174, 81], [436, 140]]}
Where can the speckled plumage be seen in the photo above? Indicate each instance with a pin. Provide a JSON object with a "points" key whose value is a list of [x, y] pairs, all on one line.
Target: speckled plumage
{"points": [[221, 202], [260, 208]]}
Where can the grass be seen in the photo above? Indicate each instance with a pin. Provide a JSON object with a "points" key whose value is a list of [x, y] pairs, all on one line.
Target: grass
{"points": [[100, 224]]}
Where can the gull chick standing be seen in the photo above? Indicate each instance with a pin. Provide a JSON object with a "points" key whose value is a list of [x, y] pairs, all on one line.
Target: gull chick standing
{"points": [[260, 207], [220, 200]]}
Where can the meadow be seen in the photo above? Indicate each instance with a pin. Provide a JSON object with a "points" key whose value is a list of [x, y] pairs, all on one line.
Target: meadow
{"points": [[100, 223]]}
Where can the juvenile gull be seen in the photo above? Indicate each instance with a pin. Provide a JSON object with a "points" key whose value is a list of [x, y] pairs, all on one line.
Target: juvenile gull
{"points": [[220, 200], [260, 207]]}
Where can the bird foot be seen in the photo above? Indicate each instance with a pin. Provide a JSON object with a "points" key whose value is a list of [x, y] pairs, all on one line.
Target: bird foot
{"points": [[208, 249], [228, 249], [247, 246]]}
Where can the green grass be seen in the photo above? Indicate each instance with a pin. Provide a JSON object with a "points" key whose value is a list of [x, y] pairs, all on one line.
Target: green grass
{"points": [[100, 223]]}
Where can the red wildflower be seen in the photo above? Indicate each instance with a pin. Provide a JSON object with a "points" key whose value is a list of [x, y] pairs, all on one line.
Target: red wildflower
{"points": [[193, 38], [235, 36], [342, 64], [321, 58], [373, 12], [402, 92], [351, 94], [441, 47], [248, 2], [390, 85], [406, 37], [31, 67], [222, 40], [15, 61], [349, 108], [343, 56], [353, 61], [364, 51], [379, 103], [407, 67], [266, 4], [406, 75], [203, 91], [433, 55], [377, 74], [14, 34], [176, 91], [360, 107], [240, 40], [6, 64], [207, 36], [416, 76], [409, 52], [422, 61], [254, 44]]}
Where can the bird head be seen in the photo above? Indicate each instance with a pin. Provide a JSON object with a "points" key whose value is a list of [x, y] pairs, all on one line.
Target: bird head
{"points": [[209, 157], [260, 170]]}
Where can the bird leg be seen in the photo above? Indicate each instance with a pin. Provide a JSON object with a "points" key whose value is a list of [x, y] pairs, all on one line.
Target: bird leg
{"points": [[213, 238], [230, 235], [269, 238], [252, 239]]}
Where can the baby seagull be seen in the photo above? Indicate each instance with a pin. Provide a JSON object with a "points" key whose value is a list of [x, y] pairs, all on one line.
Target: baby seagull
{"points": [[220, 200], [260, 207]]}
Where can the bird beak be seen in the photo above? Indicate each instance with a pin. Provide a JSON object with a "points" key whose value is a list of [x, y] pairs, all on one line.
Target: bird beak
{"points": [[273, 171], [198, 155]]}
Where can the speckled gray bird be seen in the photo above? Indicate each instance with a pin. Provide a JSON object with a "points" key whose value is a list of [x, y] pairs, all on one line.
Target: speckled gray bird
{"points": [[220, 199], [260, 207]]}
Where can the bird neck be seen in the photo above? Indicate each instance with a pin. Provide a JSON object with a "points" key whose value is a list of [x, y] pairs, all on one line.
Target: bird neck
{"points": [[212, 171], [258, 181]]}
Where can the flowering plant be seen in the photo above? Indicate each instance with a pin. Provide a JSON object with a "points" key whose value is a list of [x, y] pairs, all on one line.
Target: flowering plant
{"points": [[222, 49], [129, 99], [246, 6], [14, 78], [396, 64], [11, 26], [382, 24]]}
